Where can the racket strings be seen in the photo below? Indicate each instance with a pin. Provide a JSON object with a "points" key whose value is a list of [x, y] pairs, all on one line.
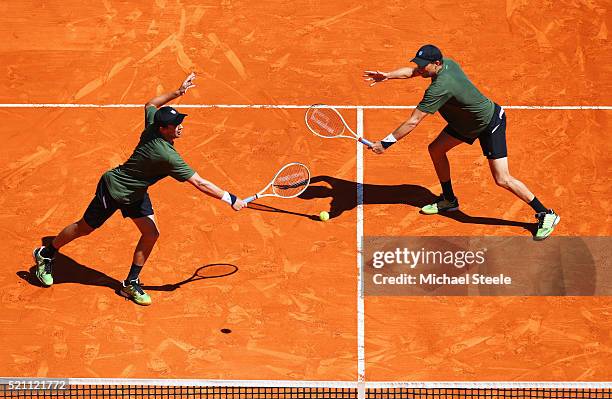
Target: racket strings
{"points": [[325, 122], [291, 181]]}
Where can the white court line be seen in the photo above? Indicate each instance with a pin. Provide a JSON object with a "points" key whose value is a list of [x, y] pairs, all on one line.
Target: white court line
{"points": [[361, 394], [288, 106]]}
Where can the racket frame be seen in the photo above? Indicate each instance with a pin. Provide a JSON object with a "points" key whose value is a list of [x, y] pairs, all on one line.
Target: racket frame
{"points": [[261, 194], [355, 136]]}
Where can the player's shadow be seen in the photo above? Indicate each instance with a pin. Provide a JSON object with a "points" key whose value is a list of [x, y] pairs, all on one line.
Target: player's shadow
{"points": [[67, 270], [343, 194]]}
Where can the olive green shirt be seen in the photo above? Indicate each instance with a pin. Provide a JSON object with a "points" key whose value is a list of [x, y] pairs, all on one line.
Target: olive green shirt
{"points": [[466, 109], [153, 159]]}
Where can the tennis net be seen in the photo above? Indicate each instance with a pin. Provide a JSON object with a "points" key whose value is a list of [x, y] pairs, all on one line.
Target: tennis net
{"points": [[212, 389]]}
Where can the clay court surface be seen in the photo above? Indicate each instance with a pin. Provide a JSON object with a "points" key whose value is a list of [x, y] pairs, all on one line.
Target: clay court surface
{"points": [[283, 283]]}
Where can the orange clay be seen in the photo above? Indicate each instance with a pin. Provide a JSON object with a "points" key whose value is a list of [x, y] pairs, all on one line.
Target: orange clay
{"points": [[291, 306]]}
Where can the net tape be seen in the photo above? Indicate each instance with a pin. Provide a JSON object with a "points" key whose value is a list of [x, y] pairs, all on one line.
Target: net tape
{"points": [[291, 392]]}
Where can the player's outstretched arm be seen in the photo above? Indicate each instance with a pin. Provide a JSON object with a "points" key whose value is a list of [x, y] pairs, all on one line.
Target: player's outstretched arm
{"points": [[379, 76], [402, 130], [209, 188], [167, 97]]}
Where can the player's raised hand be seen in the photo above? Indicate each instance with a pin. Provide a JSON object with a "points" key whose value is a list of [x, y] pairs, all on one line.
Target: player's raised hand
{"points": [[188, 83], [375, 77]]}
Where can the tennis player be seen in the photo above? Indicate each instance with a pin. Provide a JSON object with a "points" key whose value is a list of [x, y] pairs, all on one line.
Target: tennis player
{"points": [[470, 116], [125, 187]]}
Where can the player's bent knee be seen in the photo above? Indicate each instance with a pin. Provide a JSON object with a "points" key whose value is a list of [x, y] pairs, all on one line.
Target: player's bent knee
{"points": [[503, 181]]}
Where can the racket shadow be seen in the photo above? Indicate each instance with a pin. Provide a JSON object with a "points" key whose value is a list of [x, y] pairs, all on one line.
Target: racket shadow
{"points": [[267, 208], [209, 271], [343, 198]]}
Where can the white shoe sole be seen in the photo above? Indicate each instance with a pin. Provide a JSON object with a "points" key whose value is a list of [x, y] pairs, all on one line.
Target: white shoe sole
{"points": [[437, 213]]}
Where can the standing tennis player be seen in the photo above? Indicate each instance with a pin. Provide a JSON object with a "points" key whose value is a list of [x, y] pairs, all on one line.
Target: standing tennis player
{"points": [[470, 116], [125, 187]]}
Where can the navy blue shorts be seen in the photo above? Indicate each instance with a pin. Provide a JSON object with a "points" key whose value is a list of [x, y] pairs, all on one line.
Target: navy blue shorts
{"points": [[102, 207], [492, 139]]}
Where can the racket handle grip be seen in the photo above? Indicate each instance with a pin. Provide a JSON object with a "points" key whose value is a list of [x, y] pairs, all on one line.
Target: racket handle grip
{"points": [[250, 199], [367, 142]]}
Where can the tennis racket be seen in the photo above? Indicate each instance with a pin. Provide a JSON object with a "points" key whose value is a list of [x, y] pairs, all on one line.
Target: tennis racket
{"points": [[290, 181], [326, 122]]}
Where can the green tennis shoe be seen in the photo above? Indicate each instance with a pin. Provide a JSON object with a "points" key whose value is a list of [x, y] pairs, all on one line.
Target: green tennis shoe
{"points": [[133, 290], [44, 268], [441, 205], [546, 224]]}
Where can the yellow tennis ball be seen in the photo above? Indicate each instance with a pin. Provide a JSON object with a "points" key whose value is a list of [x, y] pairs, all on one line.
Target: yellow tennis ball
{"points": [[324, 216]]}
